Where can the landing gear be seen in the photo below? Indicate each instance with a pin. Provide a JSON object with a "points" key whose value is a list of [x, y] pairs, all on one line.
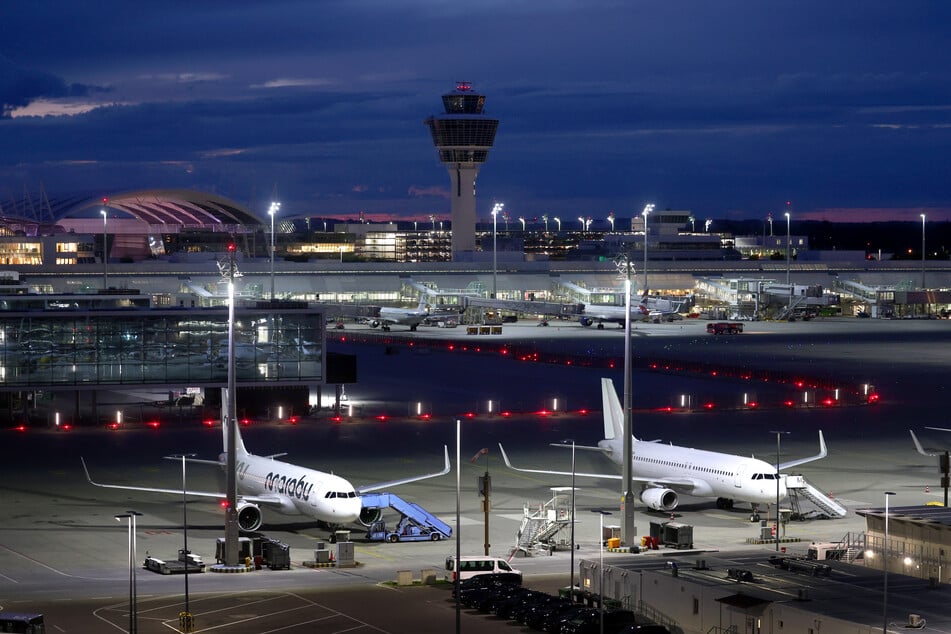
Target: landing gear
{"points": [[600, 326], [754, 516]]}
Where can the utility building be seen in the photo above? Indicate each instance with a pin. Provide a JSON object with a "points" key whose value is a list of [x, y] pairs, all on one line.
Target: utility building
{"points": [[463, 137]]}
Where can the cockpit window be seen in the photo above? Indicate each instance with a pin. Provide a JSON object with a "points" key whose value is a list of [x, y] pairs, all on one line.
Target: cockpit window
{"points": [[764, 476]]}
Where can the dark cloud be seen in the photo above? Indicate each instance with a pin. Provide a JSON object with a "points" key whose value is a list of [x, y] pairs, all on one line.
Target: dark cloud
{"points": [[721, 107], [19, 86]]}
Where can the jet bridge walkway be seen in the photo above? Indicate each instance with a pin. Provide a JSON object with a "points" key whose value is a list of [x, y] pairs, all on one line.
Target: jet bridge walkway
{"points": [[412, 514], [798, 487]]}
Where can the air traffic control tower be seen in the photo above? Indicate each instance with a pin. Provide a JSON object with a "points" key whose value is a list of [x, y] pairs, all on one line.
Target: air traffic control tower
{"points": [[463, 136]]}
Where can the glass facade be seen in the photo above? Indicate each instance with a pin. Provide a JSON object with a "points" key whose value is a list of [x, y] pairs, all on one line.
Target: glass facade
{"points": [[71, 348]]}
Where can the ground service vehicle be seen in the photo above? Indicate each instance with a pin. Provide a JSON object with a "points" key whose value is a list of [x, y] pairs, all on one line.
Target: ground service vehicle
{"points": [[22, 622], [725, 328], [477, 565]]}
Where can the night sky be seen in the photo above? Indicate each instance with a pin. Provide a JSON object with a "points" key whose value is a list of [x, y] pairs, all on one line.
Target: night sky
{"points": [[728, 109]]}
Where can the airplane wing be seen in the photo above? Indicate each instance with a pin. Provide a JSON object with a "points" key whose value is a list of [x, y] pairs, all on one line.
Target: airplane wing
{"points": [[927, 452], [392, 483], [218, 495], [823, 452], [682, 484]]}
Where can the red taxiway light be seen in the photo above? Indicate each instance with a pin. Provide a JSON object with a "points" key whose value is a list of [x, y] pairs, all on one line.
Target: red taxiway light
{"points": [[381, 418], [208, 422], [469, 414], [873, 398], [708, 406], [544, 412], [20, 428], [506, 414], [583, 412], [789, 403], [337, 419], [154, 424]]}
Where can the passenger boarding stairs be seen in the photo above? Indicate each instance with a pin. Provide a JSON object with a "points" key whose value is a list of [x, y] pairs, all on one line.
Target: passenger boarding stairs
{"points": [[797, 487], [541, 522], [408, 510]]}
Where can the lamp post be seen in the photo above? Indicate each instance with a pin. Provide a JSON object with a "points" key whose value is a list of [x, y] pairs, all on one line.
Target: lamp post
{"points": [[522, 220], [185, 531], [272, 211], [611, 220], [788, 244], [647, 209], [922, 252], [571, 586], [888, 494], [105, 252], [581, 220], [558, 222], [545, 220], [496, 210], [778, 435], [133, 610], [601, 513]]}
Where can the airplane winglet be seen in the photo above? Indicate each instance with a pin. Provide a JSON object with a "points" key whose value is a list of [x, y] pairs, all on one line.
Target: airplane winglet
{"points": [[82, 460], [918, 446], [823, 452]]}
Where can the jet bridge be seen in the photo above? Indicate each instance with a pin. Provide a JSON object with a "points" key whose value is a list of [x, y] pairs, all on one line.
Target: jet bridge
{"points": [[413, 515]]}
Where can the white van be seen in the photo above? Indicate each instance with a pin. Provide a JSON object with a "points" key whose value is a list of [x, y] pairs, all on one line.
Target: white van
{"points": [[478, 565]]}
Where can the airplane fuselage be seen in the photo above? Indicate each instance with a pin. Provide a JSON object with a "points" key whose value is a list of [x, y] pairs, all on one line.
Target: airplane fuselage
{"points": [[710, 473], [303, 491]]}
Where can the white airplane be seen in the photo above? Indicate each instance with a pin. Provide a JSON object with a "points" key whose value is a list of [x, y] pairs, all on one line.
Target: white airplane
{"points": [[389, 316], [286, 488], [665, 471], [611, 313]]}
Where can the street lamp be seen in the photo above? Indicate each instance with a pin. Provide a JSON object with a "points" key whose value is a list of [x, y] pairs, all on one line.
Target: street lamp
{"points": [[522, 220], [183, 456], [272, 211], [571, 585], [545, 220], [581, 220], [922, 252], [611, 220], [601, 513], [105, 252], [788, 244], [647, 209], [778, 434], [888, 494], [558, 222], [133, 610], [496, 210]]}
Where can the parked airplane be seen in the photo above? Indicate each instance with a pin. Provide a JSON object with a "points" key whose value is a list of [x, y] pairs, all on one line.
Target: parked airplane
{"points": [[286, 488], [610, 313], [664, 471], [389, 316]]}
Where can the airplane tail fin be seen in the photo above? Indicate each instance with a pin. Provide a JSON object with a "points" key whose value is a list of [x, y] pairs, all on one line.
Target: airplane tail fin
{"points": [[613, 412], [238, 441]]}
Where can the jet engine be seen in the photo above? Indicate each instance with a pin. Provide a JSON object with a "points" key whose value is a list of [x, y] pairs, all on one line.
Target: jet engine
{"points": [[585, 321], [249, 517], [373, 323], [659, 499], [370, 515]]}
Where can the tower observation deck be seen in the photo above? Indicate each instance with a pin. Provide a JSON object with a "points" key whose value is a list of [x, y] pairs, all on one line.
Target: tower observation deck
{"points": [[463, 137]]}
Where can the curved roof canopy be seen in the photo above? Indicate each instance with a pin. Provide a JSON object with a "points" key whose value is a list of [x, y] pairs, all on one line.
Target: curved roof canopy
{"points": [[173, 207], [180, 207]]}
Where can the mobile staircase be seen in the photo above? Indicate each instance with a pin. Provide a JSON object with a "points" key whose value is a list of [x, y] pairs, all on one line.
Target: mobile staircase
{"points": [[797, 487], [541, 523], [414, 519]]}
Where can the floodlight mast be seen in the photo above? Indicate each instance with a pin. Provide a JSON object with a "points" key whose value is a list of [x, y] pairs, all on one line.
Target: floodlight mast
{"points": [[230, 416], [628, 527]]}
